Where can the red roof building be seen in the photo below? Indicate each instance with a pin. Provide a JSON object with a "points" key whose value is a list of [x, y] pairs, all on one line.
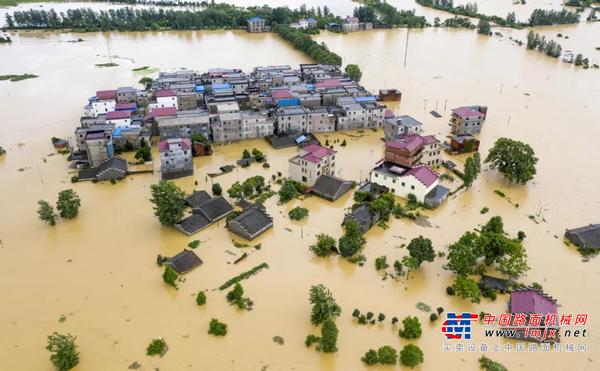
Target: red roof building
{"points": [[118, 115], [165, 93], [106, 94]]}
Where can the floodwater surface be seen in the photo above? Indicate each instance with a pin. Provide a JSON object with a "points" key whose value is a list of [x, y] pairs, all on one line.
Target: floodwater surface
{"points": [[99, 269]]}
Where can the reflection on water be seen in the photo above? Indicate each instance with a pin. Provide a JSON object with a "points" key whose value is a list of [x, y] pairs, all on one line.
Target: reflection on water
{"points": [[99, 271]]}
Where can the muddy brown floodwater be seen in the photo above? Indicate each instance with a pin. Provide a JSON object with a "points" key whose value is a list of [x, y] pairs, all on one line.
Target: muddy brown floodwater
{"points": [[99, 269]]}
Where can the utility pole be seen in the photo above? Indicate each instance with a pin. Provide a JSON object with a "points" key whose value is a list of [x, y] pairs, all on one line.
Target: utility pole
{"points": [[406, 48], [108, 48]]}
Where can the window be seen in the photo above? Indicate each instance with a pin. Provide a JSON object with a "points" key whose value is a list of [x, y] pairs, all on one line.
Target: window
{"points": [[403, 184], [412, 187], [304, 179]]}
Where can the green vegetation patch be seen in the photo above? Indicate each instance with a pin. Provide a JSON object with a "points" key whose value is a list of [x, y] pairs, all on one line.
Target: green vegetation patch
{"points": [[15, 78], [243, 276]]}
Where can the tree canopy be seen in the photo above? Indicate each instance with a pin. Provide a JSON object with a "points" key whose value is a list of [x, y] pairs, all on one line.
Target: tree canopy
{"points": [[64, 351], [515, 159], [421, 250], [324, 305], [168, 200], [68, 204]]}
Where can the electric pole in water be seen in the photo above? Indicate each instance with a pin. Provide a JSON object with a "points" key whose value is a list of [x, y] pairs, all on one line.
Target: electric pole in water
{"points": [[108, 48], [406, 48]]}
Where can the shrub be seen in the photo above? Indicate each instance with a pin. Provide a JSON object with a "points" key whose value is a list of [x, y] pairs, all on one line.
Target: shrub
{"points": [[311, 339], [64, 351], [266, 165], [411, 356], [329, 335], [343, 143], [381, 263], [74, 179], [433, 317], [287, 191], [440, 310], [355, 313], [170, 276], [157, 346], [412, 328], [324, 246], [381, 317], [450, 291], [258, 155], [387, 355], [193, 244], [370, 358], [489, 365], [216, 189], [484, 210], [217, 328], [298, 213], [201, 298], [143, 154], [394, 320]]}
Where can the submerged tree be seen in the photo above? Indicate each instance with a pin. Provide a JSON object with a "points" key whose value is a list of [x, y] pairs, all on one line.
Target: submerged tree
{"points": [[68, 204], [168, 200], [515, 159], [64, 351], [421, 250], [352, 240], [324, 305], [354, 72], [412, 328], [46, 212], [466, 288], [329, 335], [472, 169], [324, 246], [411, 356]]}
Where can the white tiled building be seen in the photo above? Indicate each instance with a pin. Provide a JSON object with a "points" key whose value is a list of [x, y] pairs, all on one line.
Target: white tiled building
{"points": [[312, 162]]}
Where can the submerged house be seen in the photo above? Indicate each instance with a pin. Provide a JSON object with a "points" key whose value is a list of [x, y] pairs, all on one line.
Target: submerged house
{"points": [[205, 211], [330, 187], [184, 262], [494, 283], [468, 120], [464, 143], [535, 303], [251, 222], [114, 168], [586, 238], [364, 216]]}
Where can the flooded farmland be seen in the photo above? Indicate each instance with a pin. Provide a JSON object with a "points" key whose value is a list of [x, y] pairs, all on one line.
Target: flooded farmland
{"points": [[99, 269]]}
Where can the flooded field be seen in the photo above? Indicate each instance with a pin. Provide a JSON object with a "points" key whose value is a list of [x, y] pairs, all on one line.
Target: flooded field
{"points": [[99, 269]]}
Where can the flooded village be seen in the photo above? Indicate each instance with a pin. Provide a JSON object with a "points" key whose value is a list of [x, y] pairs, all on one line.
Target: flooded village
{"points": [[269, 152]]}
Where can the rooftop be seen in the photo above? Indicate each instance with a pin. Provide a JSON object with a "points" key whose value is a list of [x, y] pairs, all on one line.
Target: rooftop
{"points": [[466, 112], [330, 187], [164, 93], [184, 262], [106, 94], [175, 143], [315, 153]]}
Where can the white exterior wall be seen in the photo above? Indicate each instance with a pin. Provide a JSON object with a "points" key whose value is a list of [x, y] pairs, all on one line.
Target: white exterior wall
{"points": [[292, 123], [432, 155], [120, 123], [307, 172], [103, 106], [257, 126], [163, 102], [176, 158], [402, 185]]}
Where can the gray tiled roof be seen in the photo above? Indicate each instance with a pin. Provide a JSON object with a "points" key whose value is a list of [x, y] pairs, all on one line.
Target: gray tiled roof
{"points": [[587, 237], [331, 187], [196, 199], [193, 223], [253, 220], [184, 262], [216, 208]]}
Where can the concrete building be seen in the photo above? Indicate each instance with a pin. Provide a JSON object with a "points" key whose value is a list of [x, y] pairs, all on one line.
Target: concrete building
{"points": [[256, 124], [291, 120], [126, 95], [468, 120], [396, 127], [257, 24], [165, 98], [414, 149], [320, 120], [176, 158], [184, 126], [251, 223], [350, 24], [103, 102], [402, 181], [99, 147], [312, 162], [227, 127], [187, 101], [120, 119]]}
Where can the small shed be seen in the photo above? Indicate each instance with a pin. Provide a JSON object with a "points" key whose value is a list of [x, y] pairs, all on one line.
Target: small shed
{"points": [[251, 223], [494, 283], [184, 262], [436, 196]]}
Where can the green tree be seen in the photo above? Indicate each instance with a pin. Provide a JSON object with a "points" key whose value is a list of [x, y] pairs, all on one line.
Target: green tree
{"points": [[298, 213], [387, 355], [354, 72], [246, 154], [467, 288], [515, 159], [216, 189], [421, 249], [411, 356], [68, 204], [46, 212], [143, 154], [329, 335], [201, 298], [168, 200], [287, 191], [258, 155], [381, 263], [463, 255], [236, 190], [352, 240], [217, 328], [484, 27], [170, 276], [325, 245], [324, 305], [156, 346], [472, 169], [64, 351], [199, 137], [370, 358], [412, 328], [410, 262]]}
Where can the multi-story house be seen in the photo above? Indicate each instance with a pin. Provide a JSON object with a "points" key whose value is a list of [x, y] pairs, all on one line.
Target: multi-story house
{"points": [[414, 149], [126, 95], [352, 116], [120, 119], [292, 120], [402, 181], [99, 147], [374, 114], [104, 101], [164, 98], [312, 162], [256, 124], [396, 127], [187, 101], [351, 24], [227, 127], [184, 125], [176, 158], [257, 24], [468, 120], [320, 120]]}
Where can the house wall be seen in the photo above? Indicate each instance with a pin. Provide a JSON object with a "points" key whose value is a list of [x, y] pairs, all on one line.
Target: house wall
{"points": [[98, 151], [176, 160], [432, 155], [120, 123], [162, 102], [103, 106], [402, 185], [307, 172], [402, 157], [292, 124], [469, 125]]}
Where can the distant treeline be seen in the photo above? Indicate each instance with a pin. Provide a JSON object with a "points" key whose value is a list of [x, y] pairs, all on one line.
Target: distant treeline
{"points": [[129, 19], [379, 12], [454, 22], [550, 48], [179, 3], [303, 42], [539, 17]]}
